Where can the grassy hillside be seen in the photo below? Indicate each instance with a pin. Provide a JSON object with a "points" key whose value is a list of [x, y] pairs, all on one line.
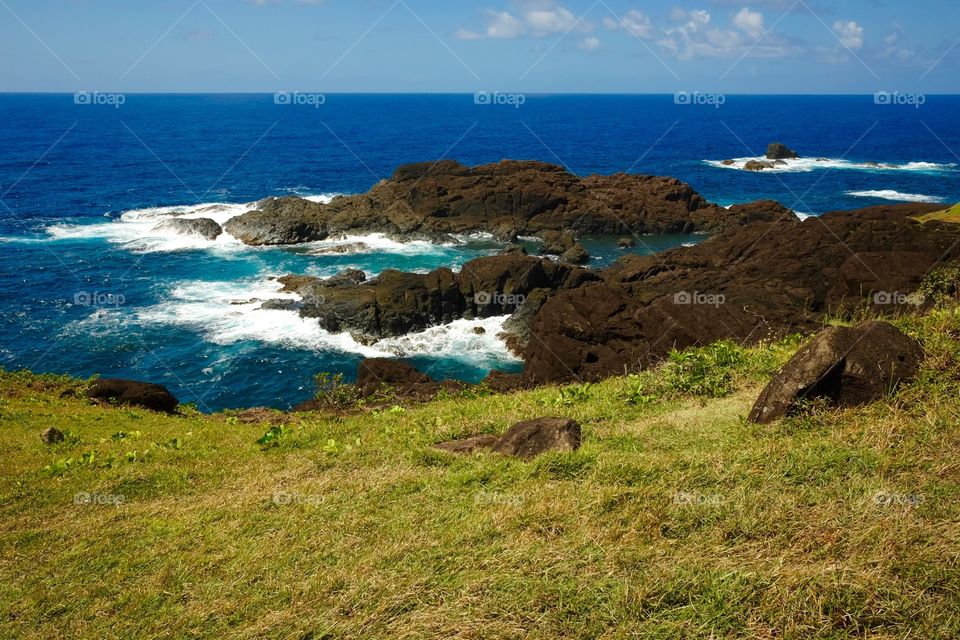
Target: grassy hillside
{"points": [[676, 519], [947, 215]]}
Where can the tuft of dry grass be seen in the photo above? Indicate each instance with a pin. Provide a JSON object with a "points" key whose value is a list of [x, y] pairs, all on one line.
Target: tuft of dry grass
{"points": [[676, 519]]}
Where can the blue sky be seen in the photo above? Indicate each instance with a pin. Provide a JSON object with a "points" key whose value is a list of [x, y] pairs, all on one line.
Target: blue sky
{"points": [[733, 46]]}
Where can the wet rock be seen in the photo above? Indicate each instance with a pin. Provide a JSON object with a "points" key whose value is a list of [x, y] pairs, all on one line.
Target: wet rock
{"points": [[778, 151], [203, 227]]}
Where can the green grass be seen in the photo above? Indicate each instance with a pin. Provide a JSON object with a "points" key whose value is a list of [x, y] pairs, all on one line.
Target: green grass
{"points": [[947, 215], [676, 519]]}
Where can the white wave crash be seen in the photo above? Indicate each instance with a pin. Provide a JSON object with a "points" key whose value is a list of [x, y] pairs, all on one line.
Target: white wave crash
{"points": [[896, 196], [806, 165], [229, 312]]}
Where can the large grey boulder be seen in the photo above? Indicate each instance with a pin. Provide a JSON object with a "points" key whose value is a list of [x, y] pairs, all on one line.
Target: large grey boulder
{"points": [[847, 366]]}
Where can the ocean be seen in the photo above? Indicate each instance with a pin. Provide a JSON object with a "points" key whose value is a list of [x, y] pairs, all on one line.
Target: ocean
{"points": [[88, 287]]}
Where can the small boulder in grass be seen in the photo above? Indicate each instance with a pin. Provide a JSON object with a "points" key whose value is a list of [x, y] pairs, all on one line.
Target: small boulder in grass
{"points": [[52, 436], [525, 440], [530, 438]]}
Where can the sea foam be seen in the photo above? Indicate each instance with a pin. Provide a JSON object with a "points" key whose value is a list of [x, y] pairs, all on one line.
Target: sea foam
{"points": [[806, 165], [896, 196]]}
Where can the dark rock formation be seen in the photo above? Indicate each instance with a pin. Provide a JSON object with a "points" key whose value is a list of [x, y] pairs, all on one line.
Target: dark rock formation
{"points": [[778, 151], [626, 243], [203, 227], [132, 393], [431, 200], [279, 221], [846, 366], [52, 435], [565, 246], [759, 281], [396, 303]]}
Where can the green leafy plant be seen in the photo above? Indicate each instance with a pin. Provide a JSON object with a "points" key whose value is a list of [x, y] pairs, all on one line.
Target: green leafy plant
{"points": [[272, 436], [334, 394], [942, 285], [573, 394], [704, 371], [639, 391]]}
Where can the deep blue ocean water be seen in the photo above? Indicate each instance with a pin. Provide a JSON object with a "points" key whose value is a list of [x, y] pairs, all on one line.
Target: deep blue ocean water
{"points": [[86, 287]]}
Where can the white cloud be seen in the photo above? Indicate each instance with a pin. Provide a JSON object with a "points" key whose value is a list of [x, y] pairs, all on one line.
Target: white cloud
{"points": [[550, 21], [590, 43], [750, 22], [500, 25], [634, 23], [850, 34]]}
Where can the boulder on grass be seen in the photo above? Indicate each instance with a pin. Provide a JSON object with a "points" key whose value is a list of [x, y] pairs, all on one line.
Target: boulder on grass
{"points": [[846, 366], [526, 440], [52, 436], [155, 397], [531, 438]]}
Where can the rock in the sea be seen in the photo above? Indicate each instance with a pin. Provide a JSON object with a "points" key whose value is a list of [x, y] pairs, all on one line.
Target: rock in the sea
{"points": [[779, 151], [279, 221], [52, 435], [564, 245], [396, 303], [758, 165], [531, 438], [431, 201], [846, 366], [203, 227], [147, 395], [626, 243]]}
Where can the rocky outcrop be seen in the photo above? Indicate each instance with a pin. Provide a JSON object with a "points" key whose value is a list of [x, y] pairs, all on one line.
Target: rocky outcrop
{"points": [[759, 281], [563, 245], [431, 200], [154, 397], [203, 227], [526, 440], [395, 302], [779, 151], [279, 221], [758, 165], [844, 366]]}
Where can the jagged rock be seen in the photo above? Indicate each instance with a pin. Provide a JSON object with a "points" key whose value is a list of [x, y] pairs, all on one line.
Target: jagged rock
{"points": [[531, 438], [564, 245], [203, 227], [147, 395], [761, 281], [846, 366], [52, 435], [778, 151], [510, 198], [396, 303], [280, 221], [626, 243]]}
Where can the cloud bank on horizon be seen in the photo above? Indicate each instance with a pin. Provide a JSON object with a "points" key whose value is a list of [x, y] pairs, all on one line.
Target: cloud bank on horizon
{"points": [[790, 46]]}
